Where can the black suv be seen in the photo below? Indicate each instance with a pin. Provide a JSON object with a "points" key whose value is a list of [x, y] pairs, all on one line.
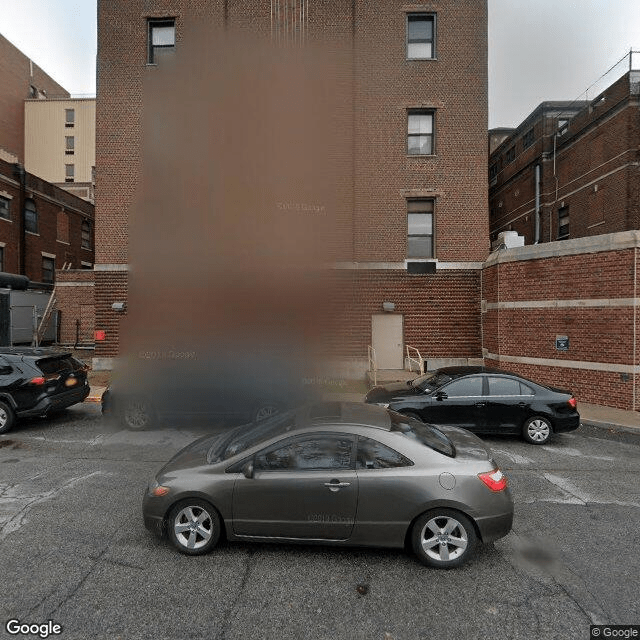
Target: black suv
{"points": [[36, 382]]}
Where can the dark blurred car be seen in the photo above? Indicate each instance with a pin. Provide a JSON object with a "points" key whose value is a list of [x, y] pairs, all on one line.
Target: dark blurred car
{"points": [[483, 400], [334, 473], [37, 382], [211, 390]]}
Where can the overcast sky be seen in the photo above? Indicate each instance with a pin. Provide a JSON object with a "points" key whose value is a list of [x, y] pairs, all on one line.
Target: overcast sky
{"points": [[538, 49]]}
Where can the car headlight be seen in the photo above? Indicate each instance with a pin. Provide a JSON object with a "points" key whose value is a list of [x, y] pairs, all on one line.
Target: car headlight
{"points": [[158, 490], [383, 404]]}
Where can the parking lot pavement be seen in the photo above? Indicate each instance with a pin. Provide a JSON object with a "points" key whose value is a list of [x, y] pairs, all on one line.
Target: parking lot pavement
{"points": [[73, 550]]}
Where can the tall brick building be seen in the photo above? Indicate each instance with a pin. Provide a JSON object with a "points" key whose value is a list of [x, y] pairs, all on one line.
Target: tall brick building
{"points": [[571, 169], [414, 188], [20, 80]]}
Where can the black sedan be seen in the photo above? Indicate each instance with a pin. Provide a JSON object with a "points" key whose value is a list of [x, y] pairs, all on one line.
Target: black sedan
{"points": [[482, 400]]}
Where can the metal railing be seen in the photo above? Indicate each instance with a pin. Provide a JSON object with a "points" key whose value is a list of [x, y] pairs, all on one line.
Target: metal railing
{"points": [[373, 364], [418, 361]]}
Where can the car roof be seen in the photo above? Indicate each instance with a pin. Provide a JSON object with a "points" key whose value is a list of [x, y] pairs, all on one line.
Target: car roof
{"points": [[466, 370], [35, 352], [346, 414]]}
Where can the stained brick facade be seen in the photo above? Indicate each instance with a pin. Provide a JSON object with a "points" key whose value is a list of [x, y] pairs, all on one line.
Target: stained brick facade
{"points": [[75, 298], [18, 75], [441, 309], [588, 154], [585, 290]]}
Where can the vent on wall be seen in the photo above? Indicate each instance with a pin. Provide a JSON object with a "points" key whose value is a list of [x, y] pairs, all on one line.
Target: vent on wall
{"points": [[421, 267]]}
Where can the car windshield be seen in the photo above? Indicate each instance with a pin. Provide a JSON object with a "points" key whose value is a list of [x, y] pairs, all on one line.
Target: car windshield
{"points": [[426, 434], [249, 435], [431, 380]]}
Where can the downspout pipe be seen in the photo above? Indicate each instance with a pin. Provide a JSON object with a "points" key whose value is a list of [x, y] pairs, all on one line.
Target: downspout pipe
{"points": [[19, 173], [537, 205]]}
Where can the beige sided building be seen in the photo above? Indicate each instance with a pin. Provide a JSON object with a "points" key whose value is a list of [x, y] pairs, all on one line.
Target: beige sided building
{"points": [[60, 135]]}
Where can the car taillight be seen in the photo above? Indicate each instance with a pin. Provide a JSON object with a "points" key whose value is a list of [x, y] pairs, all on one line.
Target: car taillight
{"points": [[40, 380], [495, 480], [572, 402]]}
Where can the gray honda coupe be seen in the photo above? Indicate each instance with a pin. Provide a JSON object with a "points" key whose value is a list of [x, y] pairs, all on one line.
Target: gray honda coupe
{"points": [[334, 473]]}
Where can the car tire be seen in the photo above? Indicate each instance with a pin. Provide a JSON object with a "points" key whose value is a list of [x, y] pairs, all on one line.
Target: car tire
{"points": [[137, 414], [411, 414], [265, 411], [7, 417], [443, 538], [537, 430], [194, 527]]}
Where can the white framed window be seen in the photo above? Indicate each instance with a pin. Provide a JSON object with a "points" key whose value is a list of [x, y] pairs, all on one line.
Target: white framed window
{"points": [[420, 228], [420, 132]]}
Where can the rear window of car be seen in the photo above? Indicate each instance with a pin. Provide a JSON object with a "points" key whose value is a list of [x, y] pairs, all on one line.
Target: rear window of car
{"points": [[59, 365], [426, 434], [431, 380], [499, 386]]}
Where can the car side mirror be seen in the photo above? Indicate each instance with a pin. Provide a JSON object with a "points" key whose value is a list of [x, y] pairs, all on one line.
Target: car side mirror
{"points": [[247, 470], [441, 395]]}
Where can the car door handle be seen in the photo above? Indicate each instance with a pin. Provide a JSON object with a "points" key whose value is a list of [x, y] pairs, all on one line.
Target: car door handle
{"points": [[481, 404], [335, 485], [522, 404]]}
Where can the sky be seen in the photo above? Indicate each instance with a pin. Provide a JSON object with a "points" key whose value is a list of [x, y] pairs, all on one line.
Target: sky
{"points": [[538, 49]]}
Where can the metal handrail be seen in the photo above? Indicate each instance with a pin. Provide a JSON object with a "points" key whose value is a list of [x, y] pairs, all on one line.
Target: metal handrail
{"points": [[373, 363], [418, 361]]}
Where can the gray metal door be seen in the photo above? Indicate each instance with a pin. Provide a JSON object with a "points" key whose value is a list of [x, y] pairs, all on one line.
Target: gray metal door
{"points": [[387, 340]]}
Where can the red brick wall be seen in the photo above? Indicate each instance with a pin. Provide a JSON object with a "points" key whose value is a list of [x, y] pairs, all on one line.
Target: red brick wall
{"points": [[440, 311], [596, 166], [601, 337], [15, 80], [378, 175], [76, 302], [49, 201]]}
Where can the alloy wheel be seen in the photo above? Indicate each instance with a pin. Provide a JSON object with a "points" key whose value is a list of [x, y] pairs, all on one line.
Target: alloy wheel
{"points": [[443, 538], [193, 527]]}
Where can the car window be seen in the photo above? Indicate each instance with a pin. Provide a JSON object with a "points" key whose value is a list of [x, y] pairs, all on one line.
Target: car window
{"points": [[471, 386], [374, 455], [503, 386], [431, 380], [246, 436], [424, 433], [525, 390], [5, 367], [317, 453]]}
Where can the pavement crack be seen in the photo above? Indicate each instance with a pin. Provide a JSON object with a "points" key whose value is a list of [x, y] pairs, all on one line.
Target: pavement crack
{"points": [[226, 620]]}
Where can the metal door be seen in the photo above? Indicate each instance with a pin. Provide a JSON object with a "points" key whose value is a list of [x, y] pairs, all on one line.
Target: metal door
{"points": [[387, 340]]}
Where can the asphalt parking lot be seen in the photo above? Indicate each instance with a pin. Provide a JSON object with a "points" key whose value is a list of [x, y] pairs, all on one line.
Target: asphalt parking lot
{"points": [[73, 550]]}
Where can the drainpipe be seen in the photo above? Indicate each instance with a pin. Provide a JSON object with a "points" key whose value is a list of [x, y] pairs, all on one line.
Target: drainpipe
{"points": [[19, 173], [537, 206]]}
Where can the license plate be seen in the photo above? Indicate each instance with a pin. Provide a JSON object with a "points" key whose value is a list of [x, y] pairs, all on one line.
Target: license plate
{"points": [[69, 382]]}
